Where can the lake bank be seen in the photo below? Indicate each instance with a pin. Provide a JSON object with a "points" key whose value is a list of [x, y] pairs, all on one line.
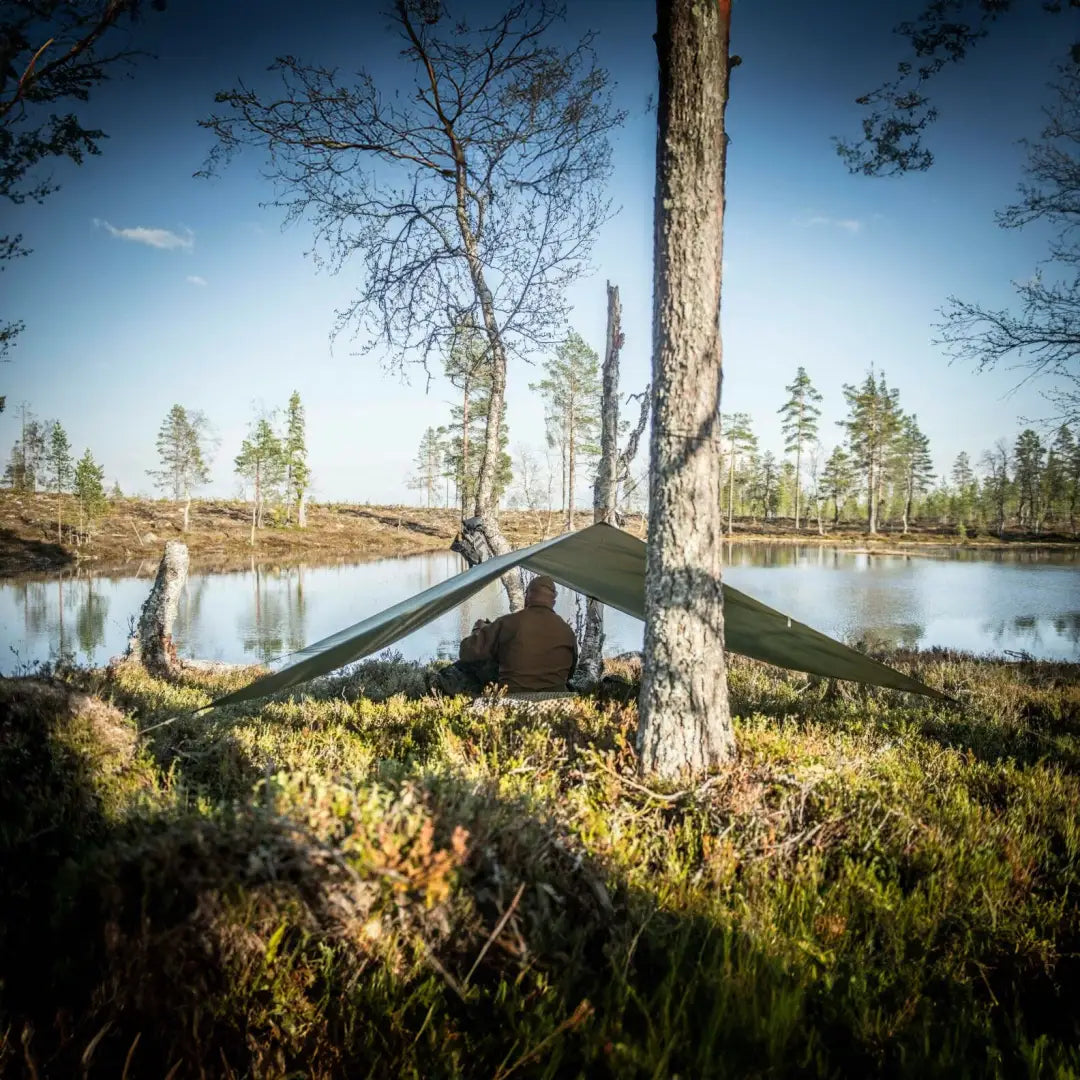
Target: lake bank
{"points": [[135, 530], [357, 883]]}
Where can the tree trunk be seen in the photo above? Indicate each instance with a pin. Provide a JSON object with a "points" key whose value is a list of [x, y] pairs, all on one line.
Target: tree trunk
{"points": [[871, 509], [685, 721], [562, 455], [570, 471], [731, 492], [187, 514], [798, 464], [301, 510], [153, 644], [464, 493], [477, 542], [253, 513], [591, 646], [59, 515]]}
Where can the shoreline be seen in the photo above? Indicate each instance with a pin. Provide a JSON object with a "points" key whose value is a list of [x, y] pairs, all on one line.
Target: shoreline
{"points": [[133, 534]]}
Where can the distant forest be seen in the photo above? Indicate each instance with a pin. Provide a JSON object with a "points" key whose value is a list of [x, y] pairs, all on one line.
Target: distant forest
{"points": [[879, 474]]}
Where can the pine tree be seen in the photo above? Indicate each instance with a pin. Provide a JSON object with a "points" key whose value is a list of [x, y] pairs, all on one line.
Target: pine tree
{"points": [[800, 424], [468, 369], [1028, 457], [25, 470], [765, 485], [58, 461], [965, 488], [89, 491], [182, 444], [872, 423], [997, 483], [837, 480], [297, 472], [572, 392], [465, 448], [740, 442], [911, 464], [429, 464], [261, 462], [1059, 480]]}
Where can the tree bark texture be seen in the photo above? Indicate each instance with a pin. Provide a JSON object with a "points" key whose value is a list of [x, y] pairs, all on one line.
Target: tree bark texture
{"points": [[153, 643], [481, 539], [591, 646], [685, 720]]}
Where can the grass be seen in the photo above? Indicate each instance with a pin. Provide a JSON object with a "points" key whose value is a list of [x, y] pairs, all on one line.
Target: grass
{"points": [[134, 530], [367, 882]]}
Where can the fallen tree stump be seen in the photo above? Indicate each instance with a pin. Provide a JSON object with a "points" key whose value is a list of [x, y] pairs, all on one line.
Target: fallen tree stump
{"points": [[152, 644]]}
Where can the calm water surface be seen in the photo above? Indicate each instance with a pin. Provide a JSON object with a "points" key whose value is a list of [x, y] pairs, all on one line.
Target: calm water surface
{"points": [[985, 602]]}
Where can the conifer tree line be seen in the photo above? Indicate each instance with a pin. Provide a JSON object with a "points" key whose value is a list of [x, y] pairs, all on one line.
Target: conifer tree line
{"points": [[878, 474], [272, 464], [41, 461], [448, 458]]}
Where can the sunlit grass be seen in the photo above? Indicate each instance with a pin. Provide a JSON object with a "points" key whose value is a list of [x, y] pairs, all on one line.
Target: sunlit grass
{"points": [[363, 882]]}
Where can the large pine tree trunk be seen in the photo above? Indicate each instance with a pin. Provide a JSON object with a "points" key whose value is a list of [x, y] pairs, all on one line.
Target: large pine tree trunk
{"points": [[301, 510], [685, 721], [591, 646], [187, 514]]}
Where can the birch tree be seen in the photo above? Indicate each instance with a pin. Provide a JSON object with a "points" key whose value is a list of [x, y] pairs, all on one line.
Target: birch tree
{"points": [[613, 469], [477, 195], [685, 719]]}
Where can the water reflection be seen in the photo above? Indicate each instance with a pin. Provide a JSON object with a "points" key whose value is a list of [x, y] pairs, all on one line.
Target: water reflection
{"points": [[981, 601]]}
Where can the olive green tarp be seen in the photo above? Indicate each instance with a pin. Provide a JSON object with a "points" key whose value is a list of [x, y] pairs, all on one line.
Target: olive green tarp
{"points": [[608, 564]]}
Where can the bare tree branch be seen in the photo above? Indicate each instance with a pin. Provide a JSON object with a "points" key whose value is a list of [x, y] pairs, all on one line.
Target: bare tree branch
{"points": [[1042, 338], [942, 34]]}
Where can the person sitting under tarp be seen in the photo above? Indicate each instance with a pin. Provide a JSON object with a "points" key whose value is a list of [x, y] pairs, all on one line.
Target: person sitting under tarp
{"points": [[526, 651]]}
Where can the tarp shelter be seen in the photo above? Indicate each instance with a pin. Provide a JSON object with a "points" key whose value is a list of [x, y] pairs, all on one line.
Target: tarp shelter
{"points": [[608, 564]]}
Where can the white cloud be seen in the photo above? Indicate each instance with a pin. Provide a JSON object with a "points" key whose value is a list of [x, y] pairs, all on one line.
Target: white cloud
{"points": [[156, 238], [194, 279], [851, 225]]}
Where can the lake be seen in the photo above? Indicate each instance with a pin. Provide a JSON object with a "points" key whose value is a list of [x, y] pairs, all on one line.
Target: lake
{"points": [[1011, 602]]}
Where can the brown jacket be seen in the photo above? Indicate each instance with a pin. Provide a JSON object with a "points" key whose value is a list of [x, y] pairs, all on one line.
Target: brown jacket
{"points": [[534, 647]]}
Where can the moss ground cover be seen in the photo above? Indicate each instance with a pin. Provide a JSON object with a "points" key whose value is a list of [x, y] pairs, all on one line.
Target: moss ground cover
{"points": [[368, 881]]}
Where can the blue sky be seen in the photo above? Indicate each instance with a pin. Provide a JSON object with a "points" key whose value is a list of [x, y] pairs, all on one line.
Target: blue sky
{"points": [[148, 286]]}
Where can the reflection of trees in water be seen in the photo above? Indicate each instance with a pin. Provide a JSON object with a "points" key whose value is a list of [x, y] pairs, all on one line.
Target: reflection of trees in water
{"points": [[1028, 630], [1068, 627], [35, 605], [897, 636], [278, 625], [190, 612], [90, 614]]}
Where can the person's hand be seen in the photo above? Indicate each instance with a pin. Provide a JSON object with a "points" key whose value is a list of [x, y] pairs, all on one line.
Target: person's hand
{"points": [[480, 622]]}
